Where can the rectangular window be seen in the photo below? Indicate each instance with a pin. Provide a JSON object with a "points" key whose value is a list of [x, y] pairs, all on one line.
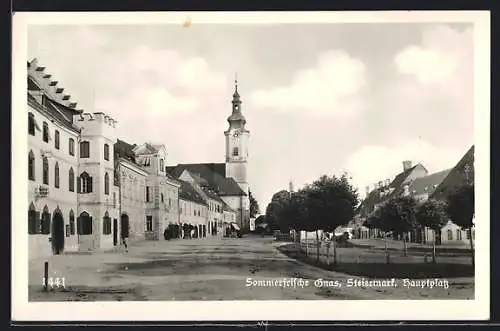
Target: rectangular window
{"points": [[84, 149], [106, 152], [31, 124], [147, 194], [149, 223], [71, 146], [467, 234], [56, 139], [459, 234], [45, 132]]}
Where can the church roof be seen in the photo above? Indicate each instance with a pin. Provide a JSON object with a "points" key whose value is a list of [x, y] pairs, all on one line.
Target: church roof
{"points": [[213, 173]]}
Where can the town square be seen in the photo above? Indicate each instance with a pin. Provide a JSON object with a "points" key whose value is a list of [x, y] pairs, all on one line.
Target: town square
{"points": [[197, 162]]}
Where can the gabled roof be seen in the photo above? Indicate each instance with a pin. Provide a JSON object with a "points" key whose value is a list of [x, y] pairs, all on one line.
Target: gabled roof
{"points": [[213, 173], [48, 109], [225, 207], [397, 184], [125, 150], [428, 184], [461, 173], [187, 192], [148, 148]]}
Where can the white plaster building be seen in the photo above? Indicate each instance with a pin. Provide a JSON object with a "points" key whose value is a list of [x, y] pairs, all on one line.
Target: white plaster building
{"points": [[193, 211], [70, 206], [161, 192]]}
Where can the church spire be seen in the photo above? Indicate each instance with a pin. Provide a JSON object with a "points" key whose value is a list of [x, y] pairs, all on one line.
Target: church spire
{"points": [[236, 119]]}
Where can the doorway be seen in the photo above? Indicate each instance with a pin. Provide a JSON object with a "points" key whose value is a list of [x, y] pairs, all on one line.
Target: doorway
{"points": [[124, 223], [115, 232], [57, 233]]}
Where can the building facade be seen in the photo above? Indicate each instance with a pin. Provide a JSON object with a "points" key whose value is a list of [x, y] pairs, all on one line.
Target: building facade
{"points": [[70, 171], [193, 212], [160, 192]]}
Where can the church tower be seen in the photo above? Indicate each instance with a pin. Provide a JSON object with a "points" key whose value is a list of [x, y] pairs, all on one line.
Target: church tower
{"points": [[237, 143]]}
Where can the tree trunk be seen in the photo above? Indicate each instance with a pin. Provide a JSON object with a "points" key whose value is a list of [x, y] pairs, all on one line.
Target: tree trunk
{"points": [[317, 246], [471, 246], [305, 240], [386, 250], [328, 253], [334, 250], [434, 247], [405, 249]]}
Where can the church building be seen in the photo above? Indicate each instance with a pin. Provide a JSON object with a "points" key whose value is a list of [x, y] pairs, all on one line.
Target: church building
{"points": [[228, 180]]}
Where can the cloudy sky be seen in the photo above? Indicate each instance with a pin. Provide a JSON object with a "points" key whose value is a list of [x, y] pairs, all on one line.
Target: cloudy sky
{"points": [[318, 98]]}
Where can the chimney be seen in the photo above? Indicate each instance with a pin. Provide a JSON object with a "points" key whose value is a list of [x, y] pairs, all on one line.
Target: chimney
{"points": [[406, 165]]}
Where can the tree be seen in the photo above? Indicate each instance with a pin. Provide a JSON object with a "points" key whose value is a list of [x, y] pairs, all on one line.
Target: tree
{"points": [[274, 211], [433, 214], [332, 202], [461, 211], [259, 220], [296, 211], [375, 221], [398, 214], [254, 205]]}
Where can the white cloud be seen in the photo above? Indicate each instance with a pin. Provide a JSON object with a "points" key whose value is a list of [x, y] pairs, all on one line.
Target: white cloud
{"points": [[438, 58], [373, 163], [325, 89]]}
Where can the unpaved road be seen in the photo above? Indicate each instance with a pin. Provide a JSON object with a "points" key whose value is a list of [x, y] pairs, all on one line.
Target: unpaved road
{"points": [[209, 269]]}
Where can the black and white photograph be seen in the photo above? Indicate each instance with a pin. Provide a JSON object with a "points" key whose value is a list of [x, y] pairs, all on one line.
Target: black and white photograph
{"points": [[218, 166]]}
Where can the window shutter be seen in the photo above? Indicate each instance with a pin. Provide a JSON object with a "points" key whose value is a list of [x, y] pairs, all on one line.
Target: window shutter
{"points": [[90, 225], [38, 222], [47, 225], [89, 185], [78, 185]]}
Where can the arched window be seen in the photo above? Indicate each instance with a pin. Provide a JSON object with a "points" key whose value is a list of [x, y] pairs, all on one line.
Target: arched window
{"points": [[71, 146], [56, 175], [71, 222], [45, 171], [84, 149], [45, 132], [161, 194], [85, 183], [106, 184], [32, 126], [45, 221], [84, 224], [106, 152], [106, 224], [71, 179], [31, 166], [235, 151], [33, 219], [56, 139]]}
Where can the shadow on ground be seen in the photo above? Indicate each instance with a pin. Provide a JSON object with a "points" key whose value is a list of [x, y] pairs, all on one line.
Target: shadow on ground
{"points": [[383, 270]]}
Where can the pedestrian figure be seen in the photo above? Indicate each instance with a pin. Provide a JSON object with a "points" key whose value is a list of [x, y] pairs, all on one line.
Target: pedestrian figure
{"points": [[125, 244]]}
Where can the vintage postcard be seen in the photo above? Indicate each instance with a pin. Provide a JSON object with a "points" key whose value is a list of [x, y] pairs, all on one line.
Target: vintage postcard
{"points": [[250, 166]]}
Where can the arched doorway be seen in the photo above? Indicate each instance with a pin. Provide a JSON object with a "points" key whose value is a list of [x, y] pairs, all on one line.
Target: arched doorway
{"points": [[124, 224], [57, 232]]}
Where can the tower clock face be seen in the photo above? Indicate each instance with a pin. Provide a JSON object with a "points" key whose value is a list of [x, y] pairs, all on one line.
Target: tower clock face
{"points": [[236, 134]]}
